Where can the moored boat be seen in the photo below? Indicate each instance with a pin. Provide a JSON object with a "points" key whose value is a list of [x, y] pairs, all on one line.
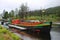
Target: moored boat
{"points": [[33, 26]]}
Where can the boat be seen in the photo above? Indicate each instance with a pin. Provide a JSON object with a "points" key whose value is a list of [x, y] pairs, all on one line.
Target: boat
{"points": [[31, 26]]}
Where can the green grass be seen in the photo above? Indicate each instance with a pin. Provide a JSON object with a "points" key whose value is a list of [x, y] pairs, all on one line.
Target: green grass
{"points": [[6, 35], [52, 18]]}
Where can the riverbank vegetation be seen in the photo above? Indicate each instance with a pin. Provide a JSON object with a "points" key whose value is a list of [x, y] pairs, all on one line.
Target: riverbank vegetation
{"points": [[6, 35], [49, 14]]}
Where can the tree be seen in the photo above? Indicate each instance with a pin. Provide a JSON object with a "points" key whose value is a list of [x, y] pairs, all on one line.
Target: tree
{"points": [[23, 11], [3, 13], [11, 14], [16, 12], [5, 16]]}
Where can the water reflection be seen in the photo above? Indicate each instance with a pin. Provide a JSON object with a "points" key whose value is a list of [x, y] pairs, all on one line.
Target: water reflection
{"points": [[42, 36], [45, 36]]}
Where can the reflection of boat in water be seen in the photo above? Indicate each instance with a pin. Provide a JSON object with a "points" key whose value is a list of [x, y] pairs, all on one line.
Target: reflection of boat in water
{"points": [[44, 36], [32, 26]]}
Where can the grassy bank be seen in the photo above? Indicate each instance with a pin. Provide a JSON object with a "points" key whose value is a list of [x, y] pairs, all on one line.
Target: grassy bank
{"points": [[47, 18], [6, 35]]}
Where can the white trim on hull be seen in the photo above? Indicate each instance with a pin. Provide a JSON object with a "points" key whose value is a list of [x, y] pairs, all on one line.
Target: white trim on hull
{"points": [[21, 28]]}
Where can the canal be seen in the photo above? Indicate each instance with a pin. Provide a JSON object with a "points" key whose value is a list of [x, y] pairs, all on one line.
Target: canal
{"points": [[53, 35]]}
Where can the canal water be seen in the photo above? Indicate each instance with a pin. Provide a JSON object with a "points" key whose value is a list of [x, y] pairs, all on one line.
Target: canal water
{"points": [[53, 35]]}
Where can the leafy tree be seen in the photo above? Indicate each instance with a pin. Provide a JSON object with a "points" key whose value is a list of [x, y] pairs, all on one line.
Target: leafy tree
{"points": [[11, 14], [5, 16], [16, 12], [23, 11]]}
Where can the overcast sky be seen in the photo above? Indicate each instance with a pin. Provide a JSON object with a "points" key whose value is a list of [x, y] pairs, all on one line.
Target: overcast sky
{"points": [[32, 4]]}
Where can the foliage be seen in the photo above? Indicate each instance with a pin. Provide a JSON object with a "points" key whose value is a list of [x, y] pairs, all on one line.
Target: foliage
{"points": [[6, 35], [5, 16], [54, 10], [23, 11], [11, 14], [50, 14]]}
